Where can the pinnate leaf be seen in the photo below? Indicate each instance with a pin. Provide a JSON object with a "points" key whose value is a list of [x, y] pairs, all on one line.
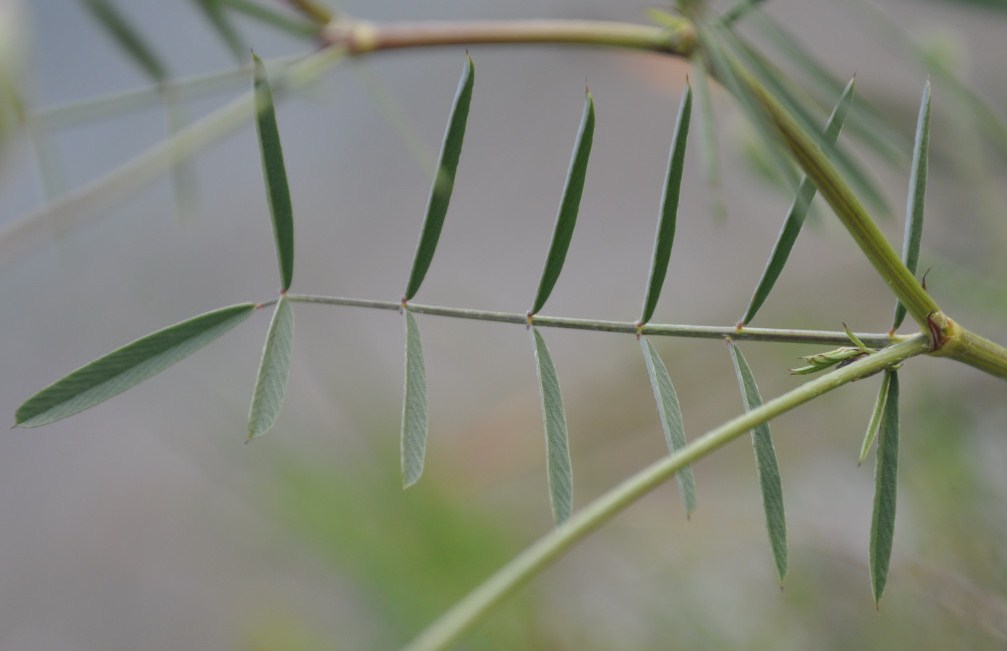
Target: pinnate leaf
{"points": [[886, 471], [274, 369], [275, 175], [566, 220], [917, 197], [557, 445], [665, 237], [671, 418], [414, 407], [765, 464], [444, 180], [126, 367], [798, 211]]}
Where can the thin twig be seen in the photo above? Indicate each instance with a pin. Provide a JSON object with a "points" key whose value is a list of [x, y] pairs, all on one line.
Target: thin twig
{"points": [[824, 337]]}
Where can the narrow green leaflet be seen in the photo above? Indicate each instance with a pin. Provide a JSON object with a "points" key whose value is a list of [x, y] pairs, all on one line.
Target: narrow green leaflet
{"points": [[671, 418], [444, 180], [214, 12], [274, 369], [917, 197], [275, 175], [569, 206], [885, 484], [414, 407], [669, 208], [798, 211], [128, 38], [876, 415], [557, 444], [765, 464], [125, 367]]}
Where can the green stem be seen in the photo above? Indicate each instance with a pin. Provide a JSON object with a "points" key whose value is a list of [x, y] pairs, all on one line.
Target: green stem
{"points": [[824, 337], [978, 352], [465, 613], [360, 37]]}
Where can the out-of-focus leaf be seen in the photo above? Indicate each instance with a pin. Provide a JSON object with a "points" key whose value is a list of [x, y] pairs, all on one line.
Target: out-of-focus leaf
{"points": [[414, 407], [274, 369], [993, 124], [765, 464], [723, 64], [13, 56], [128, 38], [671, 418], [875, 423], [740, 10], [665, 237], [183, 174], [444, 180], [885, 485], [313, 10], [866, 123], [557, 444], [776, 83], [988, 4], [275, 174], [708, 134], [126, 367], [569, 206], [214, 12], [281, 21], [795, 218], [917, 197]]}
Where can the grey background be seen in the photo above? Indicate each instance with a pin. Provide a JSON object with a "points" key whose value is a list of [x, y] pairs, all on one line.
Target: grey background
{"points": [[145, 523]]}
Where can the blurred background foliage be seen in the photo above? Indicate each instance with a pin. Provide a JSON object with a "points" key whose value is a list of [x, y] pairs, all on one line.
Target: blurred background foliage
{"points": [[145, 524]]}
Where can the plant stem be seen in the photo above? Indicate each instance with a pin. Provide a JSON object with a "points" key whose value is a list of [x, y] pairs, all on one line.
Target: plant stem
{"points": [[465, 613], [824, 337], [966, 346], [360, 37]]}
